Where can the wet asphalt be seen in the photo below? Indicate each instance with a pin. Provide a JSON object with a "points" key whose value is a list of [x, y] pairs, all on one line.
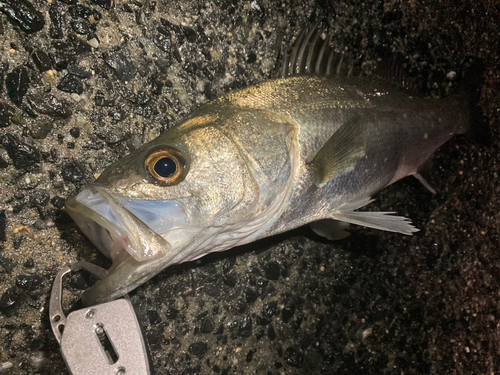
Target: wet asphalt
{"points": [[84, 83]]}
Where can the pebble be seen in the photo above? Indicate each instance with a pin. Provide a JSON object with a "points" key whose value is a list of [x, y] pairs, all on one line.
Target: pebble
{"points": [[287, 312], [271, 333], [49, 76], [172, 313], [41, 60], [106, 4], [163, 42], [198, 349], [154, 317], [228, 264], [293, 357], [75, 132], [58, 202], [207, 325], [40, 197], [94, 43], [48, 104], [270, 310], [125, 70], [117, 115], [191, 67], [245, 326], [79, 46], [83, 12], [251, 295], [191, 35], [17, 242], [101, 101], [71, 84], [154, 339], [56, 15], [6, 113], [229, 280], [24, 14], [7, 264], [40, 129], [72, 172], [79, 72], [81, 27], [10, 301], [17, 83], [3, 163], [272, 270], [6, 365], [252, 57], [28, 282], [23, 155]]}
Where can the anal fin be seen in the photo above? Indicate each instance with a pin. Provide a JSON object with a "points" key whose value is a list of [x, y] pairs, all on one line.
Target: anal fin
{"points": [[376, 220], [422, 180]]}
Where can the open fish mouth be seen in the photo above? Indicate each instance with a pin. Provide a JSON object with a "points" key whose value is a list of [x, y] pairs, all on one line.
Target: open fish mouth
{"points": [[132, 232], [113, 227]]}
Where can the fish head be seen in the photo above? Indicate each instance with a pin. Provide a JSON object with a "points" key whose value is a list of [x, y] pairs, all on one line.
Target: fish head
{"points": [[193, 190]]}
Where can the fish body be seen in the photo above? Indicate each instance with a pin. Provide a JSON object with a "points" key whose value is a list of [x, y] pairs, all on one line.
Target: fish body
{"points": [[257, 162]]}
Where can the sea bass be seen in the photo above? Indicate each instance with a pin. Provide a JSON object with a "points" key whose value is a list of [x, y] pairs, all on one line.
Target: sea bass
{"points": [[309, 148]]}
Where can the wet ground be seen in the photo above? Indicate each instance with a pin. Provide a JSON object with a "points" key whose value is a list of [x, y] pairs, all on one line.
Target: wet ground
{"points": [[82, 84]]}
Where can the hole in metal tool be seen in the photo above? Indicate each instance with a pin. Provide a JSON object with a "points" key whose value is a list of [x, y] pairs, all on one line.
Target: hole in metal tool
{"points": [[120, 371], [106, 344]]}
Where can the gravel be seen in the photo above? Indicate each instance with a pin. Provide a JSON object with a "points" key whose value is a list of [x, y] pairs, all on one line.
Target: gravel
{"points": [[83, 84]]}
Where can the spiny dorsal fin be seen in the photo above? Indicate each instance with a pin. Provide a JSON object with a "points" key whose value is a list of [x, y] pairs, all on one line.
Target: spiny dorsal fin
{"points": [[312, 54], [341, 152]]}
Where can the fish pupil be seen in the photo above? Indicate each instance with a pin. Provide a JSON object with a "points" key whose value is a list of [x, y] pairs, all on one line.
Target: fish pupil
{"points": [[165, 167]]}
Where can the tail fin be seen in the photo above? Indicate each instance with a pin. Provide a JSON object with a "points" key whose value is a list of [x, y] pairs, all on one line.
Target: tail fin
{"points": [[472, 83]]}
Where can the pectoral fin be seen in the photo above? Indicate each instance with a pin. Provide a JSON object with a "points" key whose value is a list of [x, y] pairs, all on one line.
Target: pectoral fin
{"points": [[377, 220], [341, 152], [330, 229]]}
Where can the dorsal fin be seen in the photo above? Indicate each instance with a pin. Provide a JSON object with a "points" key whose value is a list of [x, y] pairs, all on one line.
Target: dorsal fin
{"points": [[312, 54], [393, 69]]}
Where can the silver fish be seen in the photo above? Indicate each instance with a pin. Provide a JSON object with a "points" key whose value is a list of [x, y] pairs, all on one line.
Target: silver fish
{"points": [[306, 148]]}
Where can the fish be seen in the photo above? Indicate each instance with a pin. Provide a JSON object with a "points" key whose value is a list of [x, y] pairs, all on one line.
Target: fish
{"points": [[311, 146]]}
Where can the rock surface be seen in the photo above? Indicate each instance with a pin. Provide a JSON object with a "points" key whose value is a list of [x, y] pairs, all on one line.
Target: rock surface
{"points": [[102, 77]]}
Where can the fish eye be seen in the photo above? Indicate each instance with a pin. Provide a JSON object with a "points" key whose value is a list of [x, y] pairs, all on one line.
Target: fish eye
{"points": [[167, 166]]}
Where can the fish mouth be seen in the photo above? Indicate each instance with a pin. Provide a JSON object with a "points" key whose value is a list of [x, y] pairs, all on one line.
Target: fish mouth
{"points": [[136, 234]]}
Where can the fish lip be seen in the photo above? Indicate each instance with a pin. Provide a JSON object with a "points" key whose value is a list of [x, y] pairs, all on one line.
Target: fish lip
{"points": [[127, 276], [112, 228]]}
